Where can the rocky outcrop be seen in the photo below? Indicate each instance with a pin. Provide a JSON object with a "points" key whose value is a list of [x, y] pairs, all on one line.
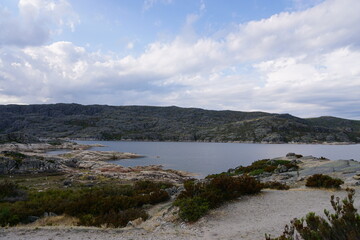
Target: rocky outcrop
{"points": [[80, 163], [43, 147], [347, 170], [81, 155], [28, 164], [18, 137]]}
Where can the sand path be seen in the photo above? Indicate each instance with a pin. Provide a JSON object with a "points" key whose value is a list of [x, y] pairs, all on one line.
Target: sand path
{"points": [[247, 218]]}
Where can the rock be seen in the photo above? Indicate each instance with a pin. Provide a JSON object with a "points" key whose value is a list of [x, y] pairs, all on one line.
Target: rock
{"points": [[265, 174], [295, 161], [32, 219], [18, 163], [285, 176], [18, 137], [91, 177], [356, 177], [292, 169], [281, 169], [49, 214], [290, 154], [172, 191], [67, 182], [135, 223]]}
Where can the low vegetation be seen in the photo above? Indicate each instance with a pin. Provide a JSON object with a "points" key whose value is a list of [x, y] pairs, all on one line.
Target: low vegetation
{"points": [[324, 181], [199, 197], [11, 192], [276, 185], [111, 205], [343, 224], [259, 167]]}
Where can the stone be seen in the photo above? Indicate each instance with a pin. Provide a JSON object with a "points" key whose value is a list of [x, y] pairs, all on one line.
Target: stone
{"points": [[135, 223], [171, 191], [91, 177], [356, 177], [67, 182], [281, 169], [32, 219], [49, 214]]}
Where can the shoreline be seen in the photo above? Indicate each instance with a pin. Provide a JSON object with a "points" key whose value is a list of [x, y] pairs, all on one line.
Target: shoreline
{"points": [[255, 215], [239, 142]]}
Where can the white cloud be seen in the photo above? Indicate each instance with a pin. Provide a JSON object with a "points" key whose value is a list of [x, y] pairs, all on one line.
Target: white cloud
{"points": [[150, 3], [37, 21], [321, 85], [304, 63], [326, 26]]}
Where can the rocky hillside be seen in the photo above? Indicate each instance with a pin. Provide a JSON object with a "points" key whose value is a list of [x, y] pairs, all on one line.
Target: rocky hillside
{"points": [[168, 124]]}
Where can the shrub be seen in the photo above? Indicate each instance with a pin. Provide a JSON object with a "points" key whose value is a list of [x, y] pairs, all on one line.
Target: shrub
{"points": [[10, 192], [266, 165], [276, 185], [256, 172], [199, 197], [109, 205], [320, 180], [6, 217], [344, 224], [191, 209], [8, 189]]}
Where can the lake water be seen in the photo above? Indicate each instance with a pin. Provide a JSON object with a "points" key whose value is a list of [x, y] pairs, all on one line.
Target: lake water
{"points": [[208, 158]]}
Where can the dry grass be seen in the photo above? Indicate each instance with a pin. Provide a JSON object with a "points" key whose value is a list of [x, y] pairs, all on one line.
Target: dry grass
{"points": [[61, 220]]}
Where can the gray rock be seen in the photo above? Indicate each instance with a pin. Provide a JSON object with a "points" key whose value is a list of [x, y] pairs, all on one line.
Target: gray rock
{"points": [[91, 177], [31, 219], [173, 191], [281, 169], [49, 214], [67, 182]]}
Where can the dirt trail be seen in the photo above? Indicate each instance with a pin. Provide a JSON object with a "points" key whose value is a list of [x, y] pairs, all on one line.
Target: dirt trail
{"points": [[247, 218]]}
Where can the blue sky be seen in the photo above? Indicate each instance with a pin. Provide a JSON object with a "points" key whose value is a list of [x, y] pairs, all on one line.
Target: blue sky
{"points": [[284, 56]]}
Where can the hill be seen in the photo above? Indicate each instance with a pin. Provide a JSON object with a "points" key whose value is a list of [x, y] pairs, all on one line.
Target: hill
{"points": [[168, 124]]}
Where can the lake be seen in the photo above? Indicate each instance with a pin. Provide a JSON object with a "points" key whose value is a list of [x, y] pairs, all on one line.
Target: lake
{"points": [[208, 158]]}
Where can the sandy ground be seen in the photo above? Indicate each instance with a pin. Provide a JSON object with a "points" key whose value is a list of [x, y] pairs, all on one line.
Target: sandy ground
{"points": [[247, 218]]}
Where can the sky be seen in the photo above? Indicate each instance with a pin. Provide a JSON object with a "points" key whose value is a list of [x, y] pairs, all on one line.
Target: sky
{"points": [[300, 57]]}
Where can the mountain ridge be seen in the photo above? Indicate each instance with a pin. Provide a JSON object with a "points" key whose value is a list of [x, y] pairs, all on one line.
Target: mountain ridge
{"points": [[171, 123]]}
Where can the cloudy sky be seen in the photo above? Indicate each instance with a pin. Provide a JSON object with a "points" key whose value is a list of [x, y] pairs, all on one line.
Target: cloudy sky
{"points": [[283, 56]]}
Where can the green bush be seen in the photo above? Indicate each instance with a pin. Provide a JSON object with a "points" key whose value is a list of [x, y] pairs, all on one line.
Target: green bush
{"points": [[325, 181], [266, 165], [11, 192], [256, 172], [6, 217], [109, 205], [257, 168], [191, 209], [343, 224], [276, 185], [8, 189], [199, 197]]}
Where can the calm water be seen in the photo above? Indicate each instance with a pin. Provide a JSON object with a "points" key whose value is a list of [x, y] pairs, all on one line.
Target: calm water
{"points": [[207, 158]]}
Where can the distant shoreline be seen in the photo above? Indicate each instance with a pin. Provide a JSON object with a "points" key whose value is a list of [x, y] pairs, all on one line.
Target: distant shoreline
{"points": [[241, 142]]}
